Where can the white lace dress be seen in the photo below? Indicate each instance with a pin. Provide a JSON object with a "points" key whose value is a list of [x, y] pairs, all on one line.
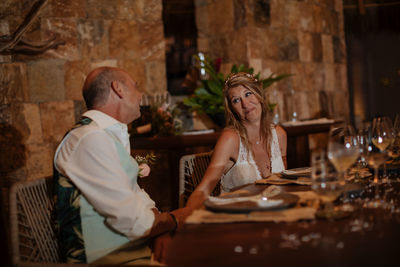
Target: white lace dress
{"points": [[245, 170]]}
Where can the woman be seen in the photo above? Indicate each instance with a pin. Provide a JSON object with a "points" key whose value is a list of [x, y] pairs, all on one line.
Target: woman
{"points": [[250, 147]]}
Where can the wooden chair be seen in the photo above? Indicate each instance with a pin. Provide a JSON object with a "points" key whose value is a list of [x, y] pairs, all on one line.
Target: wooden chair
{"points": [[191, 170], [31, 228]]}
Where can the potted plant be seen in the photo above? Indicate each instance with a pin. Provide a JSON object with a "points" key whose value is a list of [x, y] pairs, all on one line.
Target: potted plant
{"points": [[208, 97]]}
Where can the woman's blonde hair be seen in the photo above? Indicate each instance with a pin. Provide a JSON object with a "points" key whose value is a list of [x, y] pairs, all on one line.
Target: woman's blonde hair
{"points": [[233, 120]]}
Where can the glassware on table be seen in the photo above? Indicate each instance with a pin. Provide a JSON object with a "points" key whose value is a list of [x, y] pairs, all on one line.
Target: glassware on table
{"points": [[362, 139], [382, 133], [396, 124], [343, 149], [382, 136], [326, 184], [394, 148], [375, 158]]}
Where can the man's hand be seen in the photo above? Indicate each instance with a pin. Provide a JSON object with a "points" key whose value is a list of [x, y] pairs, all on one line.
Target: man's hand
{"points": [[163, 228], [182, 214], [160, 246], [144, 170]]}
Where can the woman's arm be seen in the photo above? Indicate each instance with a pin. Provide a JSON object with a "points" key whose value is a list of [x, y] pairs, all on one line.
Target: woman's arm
{"points": [[227, 147], [282, 139]]}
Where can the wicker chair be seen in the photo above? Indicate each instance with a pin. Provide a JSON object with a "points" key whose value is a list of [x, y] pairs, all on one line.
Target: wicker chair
{"points": [[191, 170], [32, 234]]}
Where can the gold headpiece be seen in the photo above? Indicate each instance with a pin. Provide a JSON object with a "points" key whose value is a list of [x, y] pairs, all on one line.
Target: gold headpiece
{"points": [[234, 75]]}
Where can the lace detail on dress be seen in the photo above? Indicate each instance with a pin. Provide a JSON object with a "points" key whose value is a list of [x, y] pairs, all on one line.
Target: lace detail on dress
{"points": [[245, 170], [276, 155]]}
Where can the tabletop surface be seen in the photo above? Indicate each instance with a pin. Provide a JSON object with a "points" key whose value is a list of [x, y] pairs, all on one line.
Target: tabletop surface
{"points": [[368, 237]]}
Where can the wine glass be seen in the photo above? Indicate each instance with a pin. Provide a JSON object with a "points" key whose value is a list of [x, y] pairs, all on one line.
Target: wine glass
{"points": [[396, 124], [394, 149], [362, 139], [375, 158], [382, 136], [325, 184], [343, 149]]}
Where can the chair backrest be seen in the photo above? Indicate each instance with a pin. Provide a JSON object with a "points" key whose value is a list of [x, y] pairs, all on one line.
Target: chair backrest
{"points": [[32, 234], [191, 170]]}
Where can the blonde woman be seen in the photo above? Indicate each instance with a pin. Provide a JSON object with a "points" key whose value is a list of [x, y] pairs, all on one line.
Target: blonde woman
{"points": [[250, 147]]}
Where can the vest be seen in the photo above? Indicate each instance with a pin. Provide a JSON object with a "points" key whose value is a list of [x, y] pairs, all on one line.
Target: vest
{"points": [[82, 232]]}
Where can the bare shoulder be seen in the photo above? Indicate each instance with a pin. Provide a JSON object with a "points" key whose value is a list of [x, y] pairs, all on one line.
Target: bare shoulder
{"points": [[229, 134], [280, 131], [228, 142]]}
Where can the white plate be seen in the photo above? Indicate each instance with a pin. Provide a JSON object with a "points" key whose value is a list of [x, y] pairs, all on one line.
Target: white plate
{"points": [[247, 204]]}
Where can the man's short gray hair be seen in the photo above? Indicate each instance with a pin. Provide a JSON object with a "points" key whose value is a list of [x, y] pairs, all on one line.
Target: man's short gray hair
{"points": [[97, 91]]}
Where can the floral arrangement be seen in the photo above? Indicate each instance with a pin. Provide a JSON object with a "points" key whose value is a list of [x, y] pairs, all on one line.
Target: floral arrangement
{"points": [[149, 159], [164, 120]]}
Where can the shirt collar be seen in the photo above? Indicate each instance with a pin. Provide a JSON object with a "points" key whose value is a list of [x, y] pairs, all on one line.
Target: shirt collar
{"points": [[103, 120]]}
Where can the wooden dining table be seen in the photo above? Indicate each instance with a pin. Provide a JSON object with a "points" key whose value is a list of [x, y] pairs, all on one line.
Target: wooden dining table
{"points": [[366, 237]]}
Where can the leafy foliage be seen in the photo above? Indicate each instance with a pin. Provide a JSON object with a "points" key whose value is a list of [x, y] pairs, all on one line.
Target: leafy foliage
{"points": [[208, 98]]}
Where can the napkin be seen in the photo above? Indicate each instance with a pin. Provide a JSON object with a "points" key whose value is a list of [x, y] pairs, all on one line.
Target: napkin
{"points": [[360, 174], [288, 215], [277, 180]]}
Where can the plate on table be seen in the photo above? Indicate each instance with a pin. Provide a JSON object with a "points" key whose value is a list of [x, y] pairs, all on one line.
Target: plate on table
{"points": [[251, 203], [296, 173]]}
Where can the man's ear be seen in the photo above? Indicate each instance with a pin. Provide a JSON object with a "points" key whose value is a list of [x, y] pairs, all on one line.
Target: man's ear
{"points": [[117, 88]]}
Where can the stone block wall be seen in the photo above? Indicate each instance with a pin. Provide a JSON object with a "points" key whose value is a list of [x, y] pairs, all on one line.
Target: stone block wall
{"points": [[40, 95], [304, 38]]}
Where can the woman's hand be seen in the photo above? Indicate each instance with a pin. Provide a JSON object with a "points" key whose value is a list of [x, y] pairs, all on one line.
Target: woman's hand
{"points": [[144, 170], [196, 200]]}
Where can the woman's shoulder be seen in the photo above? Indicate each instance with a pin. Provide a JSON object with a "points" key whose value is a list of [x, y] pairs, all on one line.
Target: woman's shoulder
{"points": [[280, 132], [229, 133], [229, 136]]}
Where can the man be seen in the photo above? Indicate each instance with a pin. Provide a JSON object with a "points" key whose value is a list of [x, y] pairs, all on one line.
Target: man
{"points": [[99, 205]]}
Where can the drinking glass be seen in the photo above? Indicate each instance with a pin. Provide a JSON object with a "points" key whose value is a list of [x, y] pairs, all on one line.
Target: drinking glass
{"points": [[394, 148], [343, 149], [375, 158], [396, 124], [326, 184], [382, 136], [362, 139]]}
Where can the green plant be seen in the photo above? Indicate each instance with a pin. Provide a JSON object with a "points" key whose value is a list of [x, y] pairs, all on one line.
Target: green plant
{"points": [[208, 97]]}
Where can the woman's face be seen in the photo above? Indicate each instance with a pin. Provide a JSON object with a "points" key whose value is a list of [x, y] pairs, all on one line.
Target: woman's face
{"points": [[245, 104]]}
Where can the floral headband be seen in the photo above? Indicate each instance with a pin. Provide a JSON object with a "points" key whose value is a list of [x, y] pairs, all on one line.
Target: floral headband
{"points": [[234, 75]]}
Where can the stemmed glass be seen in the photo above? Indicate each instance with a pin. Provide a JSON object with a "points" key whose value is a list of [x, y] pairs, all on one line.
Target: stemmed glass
{"points": [[375, 158], [382, 136], [394, 148], [325, 184], [343, 149], [362, 139]]}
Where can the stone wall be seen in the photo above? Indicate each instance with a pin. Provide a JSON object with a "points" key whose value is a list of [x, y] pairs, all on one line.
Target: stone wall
{"points": [[304, 38], [40, 95]]}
